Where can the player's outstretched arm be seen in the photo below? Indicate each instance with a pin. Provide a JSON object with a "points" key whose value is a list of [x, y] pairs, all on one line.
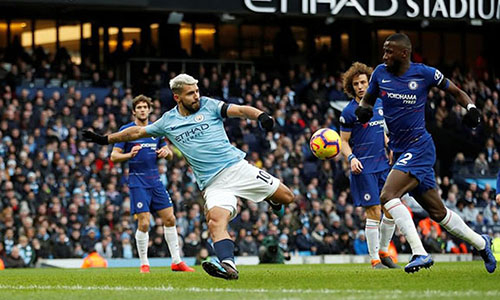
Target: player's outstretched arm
{"points": [[364, 112], [130, 134], [266, 122], [473, 117]]}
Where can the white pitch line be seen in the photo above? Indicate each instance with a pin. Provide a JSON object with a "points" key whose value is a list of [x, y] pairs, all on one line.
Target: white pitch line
{"points": [[295, 292]]}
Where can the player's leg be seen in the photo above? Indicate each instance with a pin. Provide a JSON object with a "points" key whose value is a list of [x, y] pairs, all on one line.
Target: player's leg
{"points": [[140, 200], [283, 196], [397, 184], [142, 239], [218, 220], [453, 223], [172, 239], [387, 227], [373, 214]]}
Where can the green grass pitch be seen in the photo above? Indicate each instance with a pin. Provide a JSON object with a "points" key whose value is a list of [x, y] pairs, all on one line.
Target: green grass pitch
{"points": [[465, 280]]}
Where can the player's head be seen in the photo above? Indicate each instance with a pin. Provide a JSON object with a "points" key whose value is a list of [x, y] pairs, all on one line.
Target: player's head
{"points": [[186, 92], [355, 80], [397, 50], [141, 107]]}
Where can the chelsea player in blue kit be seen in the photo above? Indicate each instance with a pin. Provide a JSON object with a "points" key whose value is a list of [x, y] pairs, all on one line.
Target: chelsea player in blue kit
{"points": [[403, 87], [147, 193], [364, 147], [195, 126]]}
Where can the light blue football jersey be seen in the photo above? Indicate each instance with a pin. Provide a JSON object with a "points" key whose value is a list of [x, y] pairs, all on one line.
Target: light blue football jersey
{"points": [[201, 138]]}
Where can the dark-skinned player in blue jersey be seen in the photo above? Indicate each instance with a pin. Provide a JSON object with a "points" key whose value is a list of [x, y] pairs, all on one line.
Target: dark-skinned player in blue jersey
{"points": [[403, 87]]}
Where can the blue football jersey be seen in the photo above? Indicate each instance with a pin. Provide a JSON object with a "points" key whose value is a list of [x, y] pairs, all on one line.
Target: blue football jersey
{"points": [[143, 168], [201, 138], [404, 98], [367, 140]]}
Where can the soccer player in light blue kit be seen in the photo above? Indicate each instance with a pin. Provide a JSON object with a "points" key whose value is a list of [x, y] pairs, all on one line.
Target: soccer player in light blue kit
{"points": [[195, 126], [147, 193], [364, 147], [403, 87]]}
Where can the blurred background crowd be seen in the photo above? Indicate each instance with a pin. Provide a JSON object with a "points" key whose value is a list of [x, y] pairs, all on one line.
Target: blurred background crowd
{"points": [[61, 196]]}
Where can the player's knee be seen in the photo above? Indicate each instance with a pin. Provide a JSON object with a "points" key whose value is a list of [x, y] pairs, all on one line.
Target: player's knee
{"points": [[169, 221], [142, 226], [214, 225], [288, 196], [437, 214], [385, 197]]}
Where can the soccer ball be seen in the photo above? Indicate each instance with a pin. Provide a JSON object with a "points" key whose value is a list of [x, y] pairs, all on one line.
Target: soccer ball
{"points": [[325, 143]]}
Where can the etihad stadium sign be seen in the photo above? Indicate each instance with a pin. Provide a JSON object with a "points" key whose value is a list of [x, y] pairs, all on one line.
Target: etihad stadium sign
{"points": [[413, 9]]}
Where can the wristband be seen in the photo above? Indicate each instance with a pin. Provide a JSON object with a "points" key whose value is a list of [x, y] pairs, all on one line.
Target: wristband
{"points": [[470, 105], [351, 156]]}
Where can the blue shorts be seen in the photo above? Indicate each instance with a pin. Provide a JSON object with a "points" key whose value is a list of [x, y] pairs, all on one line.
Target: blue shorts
{"points": [[418, 161], [148, 199], [365, 188]]}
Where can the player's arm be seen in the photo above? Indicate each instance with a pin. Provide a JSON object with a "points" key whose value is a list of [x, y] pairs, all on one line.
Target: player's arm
{"points": [[266, 122], [118, 156], [472, 117], [364, 112], [130, 134], [356, 165]]}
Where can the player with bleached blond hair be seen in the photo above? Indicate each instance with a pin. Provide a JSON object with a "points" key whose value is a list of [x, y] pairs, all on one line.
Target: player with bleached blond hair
{"points": [[195, 126]]}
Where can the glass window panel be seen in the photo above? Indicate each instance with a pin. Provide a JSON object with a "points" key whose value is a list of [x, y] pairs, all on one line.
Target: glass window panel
{"points": [[186, 32], [252, 37], [3, 35], [45, 35], [300, 35], [228, 41], [204, 37], [21, 30], [131, 38], [69, 38]]}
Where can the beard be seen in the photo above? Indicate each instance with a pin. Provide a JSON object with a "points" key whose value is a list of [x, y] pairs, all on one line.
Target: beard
{"points": [[191, 109], [396, 65]]}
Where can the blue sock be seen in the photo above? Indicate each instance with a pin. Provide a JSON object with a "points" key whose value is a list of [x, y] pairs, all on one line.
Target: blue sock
{"points": [[224, 250]]}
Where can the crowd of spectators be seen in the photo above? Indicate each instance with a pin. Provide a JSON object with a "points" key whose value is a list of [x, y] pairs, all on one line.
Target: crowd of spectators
{"points": [[61, 196]]}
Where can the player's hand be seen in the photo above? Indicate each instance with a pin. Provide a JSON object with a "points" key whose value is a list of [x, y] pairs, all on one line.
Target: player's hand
{"points": [[356, 166], [165, 152], [390, 156], [472, 118], [498, 199], [364, 114], [133, 152], [90, 136], [266, 122]]}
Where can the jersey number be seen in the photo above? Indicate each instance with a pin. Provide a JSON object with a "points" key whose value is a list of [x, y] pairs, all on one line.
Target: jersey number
{"points": [[405, 159], [265, 177]]}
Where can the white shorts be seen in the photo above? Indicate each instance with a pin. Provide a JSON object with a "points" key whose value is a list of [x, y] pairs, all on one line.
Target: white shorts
{"points": [[239, 180]]}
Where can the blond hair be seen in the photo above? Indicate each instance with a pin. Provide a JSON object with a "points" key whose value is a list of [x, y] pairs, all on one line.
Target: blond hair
{"points": [[177, 83]]}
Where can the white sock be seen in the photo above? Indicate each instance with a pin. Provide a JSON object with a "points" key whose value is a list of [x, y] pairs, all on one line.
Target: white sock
{"points": [[456, 226], [231, 263], [386, 232], [403, 220], [142, 240], [171, 237], [371, 232]]}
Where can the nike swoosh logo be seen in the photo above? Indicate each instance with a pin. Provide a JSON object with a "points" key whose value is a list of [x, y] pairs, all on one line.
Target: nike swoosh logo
{"points": [[385, 81], [426, 259]]}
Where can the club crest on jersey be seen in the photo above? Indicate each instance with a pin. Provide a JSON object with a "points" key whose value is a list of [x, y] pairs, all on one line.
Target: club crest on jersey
{"points": [[199, 118], [412, 85], [367, 197]]}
